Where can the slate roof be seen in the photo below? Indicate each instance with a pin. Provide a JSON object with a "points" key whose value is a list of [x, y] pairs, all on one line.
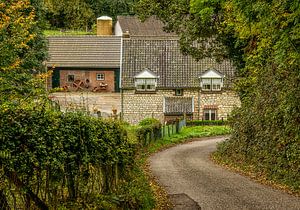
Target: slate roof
{"points": [[178, 105], [164, 59], [84, 51], [150, 27]]}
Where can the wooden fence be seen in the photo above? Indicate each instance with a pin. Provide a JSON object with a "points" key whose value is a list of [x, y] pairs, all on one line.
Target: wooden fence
{"points": [[171, 129], [151, 133]]}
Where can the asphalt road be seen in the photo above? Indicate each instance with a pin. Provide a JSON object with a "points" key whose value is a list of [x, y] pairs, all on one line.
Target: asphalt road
{"points": [[187, 173]]}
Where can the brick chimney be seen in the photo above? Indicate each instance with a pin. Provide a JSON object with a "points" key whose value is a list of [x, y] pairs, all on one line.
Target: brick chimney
{"points": [[104, 26]]}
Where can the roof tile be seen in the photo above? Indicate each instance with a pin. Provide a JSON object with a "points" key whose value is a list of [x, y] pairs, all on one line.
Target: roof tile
{"points": [[163, 58], [84, 51], [150, 27]]}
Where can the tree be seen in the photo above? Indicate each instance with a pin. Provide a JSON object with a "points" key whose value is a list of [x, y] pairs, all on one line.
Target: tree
{"points": [[74, 14], [22, 52], [82, 14], [22, 46], [112, 8], [196, 21]]}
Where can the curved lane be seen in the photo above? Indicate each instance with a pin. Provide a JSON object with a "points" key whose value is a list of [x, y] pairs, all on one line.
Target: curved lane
{"points": [[187, 169]]}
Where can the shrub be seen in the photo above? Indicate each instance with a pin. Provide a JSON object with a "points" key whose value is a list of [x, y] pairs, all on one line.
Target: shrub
{"points": [[149, 121], [61, 159], [149, 130], [205, 122]]}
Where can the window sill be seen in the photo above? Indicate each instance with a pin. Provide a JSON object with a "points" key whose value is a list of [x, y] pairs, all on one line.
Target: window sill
{"points": [[145, 91], [177, 114], [211, 91]]}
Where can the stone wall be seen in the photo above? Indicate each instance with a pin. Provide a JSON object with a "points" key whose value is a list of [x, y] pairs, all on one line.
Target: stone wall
{"points": [[137, 106], [223, 102]]}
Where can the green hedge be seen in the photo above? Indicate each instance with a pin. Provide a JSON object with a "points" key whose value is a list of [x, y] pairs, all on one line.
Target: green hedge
{"points": [[265, 147], [61, 160], [148, 130], [205, 122]]}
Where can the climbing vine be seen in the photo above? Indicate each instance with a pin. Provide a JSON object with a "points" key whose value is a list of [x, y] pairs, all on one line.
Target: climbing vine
{"points": [[54, 159]]}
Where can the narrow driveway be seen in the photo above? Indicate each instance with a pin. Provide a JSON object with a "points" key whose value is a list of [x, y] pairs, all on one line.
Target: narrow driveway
{"points": [[186, 170]]}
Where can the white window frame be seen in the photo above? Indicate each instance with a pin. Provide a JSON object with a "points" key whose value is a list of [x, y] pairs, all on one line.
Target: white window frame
{"points": [[146, 84], [100, 76], [145, 81], [211, 80], [210, 112], [211, 84]]}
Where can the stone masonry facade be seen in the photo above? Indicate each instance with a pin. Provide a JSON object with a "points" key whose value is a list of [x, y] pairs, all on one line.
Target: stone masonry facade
{"points": [[138, 106]]}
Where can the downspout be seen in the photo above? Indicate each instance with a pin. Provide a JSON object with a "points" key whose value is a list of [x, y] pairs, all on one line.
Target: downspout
{"points": [[199, 100], [120, 80], [121, 62], [122, 105]]}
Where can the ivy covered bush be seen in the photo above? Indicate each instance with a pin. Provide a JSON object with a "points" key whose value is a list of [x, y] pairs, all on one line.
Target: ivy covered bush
{"points": [[57, 159], [205, 122], [50, 159], [148, 130]]}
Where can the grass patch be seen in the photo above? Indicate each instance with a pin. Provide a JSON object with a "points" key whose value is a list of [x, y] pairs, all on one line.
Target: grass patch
{"points": [[188, 133], [137, 192], [64, 33]]}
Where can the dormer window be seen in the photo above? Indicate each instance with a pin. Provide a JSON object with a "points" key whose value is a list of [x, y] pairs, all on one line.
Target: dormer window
{"points": [[146, 81], [211, 80]]}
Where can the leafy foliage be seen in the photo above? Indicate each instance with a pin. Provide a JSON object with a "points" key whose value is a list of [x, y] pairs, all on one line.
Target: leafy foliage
{"points": [[22, 50], [82, 14], [69, 152], [205, 122], [21, 42], [199, 24], [148, 129], [50, 159], [148, 121], [266, 128]]}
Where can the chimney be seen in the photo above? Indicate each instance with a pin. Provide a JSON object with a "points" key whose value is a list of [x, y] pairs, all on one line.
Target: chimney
{"points": [[104, 26]]}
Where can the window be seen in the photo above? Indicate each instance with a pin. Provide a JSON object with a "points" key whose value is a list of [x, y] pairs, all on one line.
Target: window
{"points": [[179, 92], [206, 84], [212, 84], [210, 114], [146, 81], [100, 76], [145, 84], [71, 78], [212, 80]]}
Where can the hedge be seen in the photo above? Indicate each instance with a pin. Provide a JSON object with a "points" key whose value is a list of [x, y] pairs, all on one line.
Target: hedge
{"points": [[60, 160], [148, 130], [205, 122]]}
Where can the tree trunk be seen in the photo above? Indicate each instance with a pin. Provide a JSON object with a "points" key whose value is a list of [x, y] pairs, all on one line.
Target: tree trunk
{"points": [[13, 177], [3, 201]]}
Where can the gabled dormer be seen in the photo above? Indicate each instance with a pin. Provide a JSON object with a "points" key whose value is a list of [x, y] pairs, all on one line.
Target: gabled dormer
{"points": [[211, 80], [145, 81]]}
